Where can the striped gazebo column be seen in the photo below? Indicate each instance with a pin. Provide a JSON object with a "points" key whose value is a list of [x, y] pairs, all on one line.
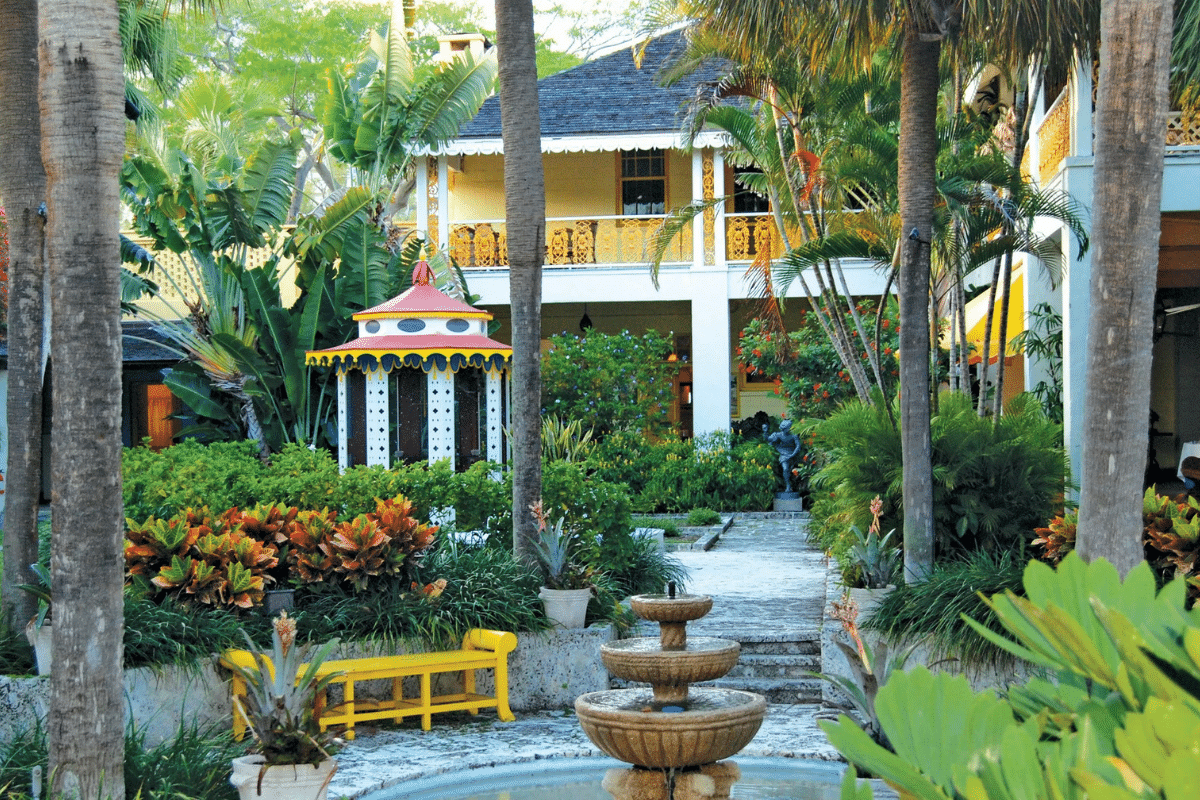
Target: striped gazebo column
{"points": [[495, 420], [377, 418], [439, 410], [343, 422]]}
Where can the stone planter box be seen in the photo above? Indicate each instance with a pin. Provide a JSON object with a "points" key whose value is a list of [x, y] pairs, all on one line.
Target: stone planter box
{"points": [[546, 671]]}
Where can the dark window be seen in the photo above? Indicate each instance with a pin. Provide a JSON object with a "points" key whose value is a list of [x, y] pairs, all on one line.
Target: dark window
{"points": [[409, 437], [744, 200], [643, 182]]}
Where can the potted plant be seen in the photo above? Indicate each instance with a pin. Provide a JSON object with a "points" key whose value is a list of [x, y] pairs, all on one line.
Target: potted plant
{"points": [[876, 560], [292, 759], [38, 630], [568, 587]]}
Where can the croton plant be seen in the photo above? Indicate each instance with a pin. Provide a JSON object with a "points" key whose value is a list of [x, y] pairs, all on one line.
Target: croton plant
{"points": [[230, 559]]}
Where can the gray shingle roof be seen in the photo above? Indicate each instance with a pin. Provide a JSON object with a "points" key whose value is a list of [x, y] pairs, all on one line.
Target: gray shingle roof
{"points": [[609, 95]]}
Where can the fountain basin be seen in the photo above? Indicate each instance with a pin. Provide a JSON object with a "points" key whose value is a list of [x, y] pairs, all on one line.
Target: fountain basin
{"points": [[662, 608], [716, 724], [704, 659]]}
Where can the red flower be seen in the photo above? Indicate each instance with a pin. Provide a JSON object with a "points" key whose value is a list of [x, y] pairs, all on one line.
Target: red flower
{"points": [[887, 351], [817, 388], [887, 322], [757, 353], [825, 395]]}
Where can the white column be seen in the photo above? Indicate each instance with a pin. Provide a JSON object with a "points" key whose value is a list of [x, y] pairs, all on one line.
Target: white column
{"points": [[1079, 89], [495, 424], [1076, 309], [440, 412], [421, 191], [711, 360], [343, 421], [719, 220], [443, 195], [697, 197], [377, 419]]}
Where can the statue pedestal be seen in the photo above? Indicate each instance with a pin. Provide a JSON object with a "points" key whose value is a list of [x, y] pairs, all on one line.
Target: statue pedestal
{"points": [[789, 501]]}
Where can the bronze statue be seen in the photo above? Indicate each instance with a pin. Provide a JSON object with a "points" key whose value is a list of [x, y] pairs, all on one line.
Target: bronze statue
{"points": [[787, 445]]}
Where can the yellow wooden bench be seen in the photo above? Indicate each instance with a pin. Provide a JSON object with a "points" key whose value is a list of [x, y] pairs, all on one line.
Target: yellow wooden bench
{"points": [[481, 649]]}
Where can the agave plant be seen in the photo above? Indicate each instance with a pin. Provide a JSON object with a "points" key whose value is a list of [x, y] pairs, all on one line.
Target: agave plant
{"points": [[280, 706]]}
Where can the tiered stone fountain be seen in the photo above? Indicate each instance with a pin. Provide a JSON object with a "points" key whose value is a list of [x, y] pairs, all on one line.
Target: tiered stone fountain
{"points": [[671, 727]]}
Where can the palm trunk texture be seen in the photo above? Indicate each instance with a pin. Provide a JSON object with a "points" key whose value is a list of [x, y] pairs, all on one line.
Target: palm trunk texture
{"points": [[525, 211], [82, 103], [1131, 115], [23, 188], [918, 151]]}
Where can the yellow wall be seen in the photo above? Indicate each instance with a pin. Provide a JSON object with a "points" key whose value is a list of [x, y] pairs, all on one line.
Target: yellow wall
{"points": [[577, 185]]}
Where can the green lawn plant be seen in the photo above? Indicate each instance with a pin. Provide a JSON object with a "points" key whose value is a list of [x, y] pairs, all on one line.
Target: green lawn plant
{"points": [[1116, 716]]}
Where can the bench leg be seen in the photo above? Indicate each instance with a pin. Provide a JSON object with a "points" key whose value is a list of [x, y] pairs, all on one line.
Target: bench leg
{"points": [[348, 700], [426, 702], [469, 687], [237, 691], [502, 709]]}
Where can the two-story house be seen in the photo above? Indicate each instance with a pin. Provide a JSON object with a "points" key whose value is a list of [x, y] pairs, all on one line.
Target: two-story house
{"points": [[615, 164]]}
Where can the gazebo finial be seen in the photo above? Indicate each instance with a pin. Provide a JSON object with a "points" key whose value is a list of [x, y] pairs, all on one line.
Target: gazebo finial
{"points": [[422, 274]]}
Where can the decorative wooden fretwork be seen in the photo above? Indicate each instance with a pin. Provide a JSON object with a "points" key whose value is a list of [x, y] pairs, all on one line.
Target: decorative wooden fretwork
{"points": [[585, 243], [485, 245], [574, 242], [1178, 134], [737, 239], [1054, 138], [765, 237], [559, 248], [431, 172], [710, 215], [460, 243]]}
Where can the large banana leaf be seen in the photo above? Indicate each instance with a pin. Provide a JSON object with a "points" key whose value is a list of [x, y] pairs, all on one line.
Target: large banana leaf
{"points": [[451, 97], [268, 184]]}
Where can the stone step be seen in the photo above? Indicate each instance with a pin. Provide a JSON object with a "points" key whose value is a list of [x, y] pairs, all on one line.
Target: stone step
{"points": [[775, 665], [777, 690], [792, 647]]}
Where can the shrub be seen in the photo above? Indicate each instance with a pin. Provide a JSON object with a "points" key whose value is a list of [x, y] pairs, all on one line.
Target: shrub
{"points": [[703, 516], [230, 559], [934, 609], [168, 632], [993, 483], [805, 365], [613, 382], [188, 475], [676, 476]]}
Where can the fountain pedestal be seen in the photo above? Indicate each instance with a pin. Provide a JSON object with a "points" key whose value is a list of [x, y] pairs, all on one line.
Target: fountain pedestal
{"points": [[670, 726]]}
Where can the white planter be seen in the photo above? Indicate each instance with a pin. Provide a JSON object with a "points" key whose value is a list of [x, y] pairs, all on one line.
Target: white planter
{"points": [[283, 781], [867, 599], [39, 639], [566, 608]]}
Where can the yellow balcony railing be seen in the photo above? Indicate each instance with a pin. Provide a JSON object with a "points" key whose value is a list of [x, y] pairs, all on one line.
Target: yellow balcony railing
{"points": [[748, 235], [1179, 134], [581, 242], [1054, 138]]}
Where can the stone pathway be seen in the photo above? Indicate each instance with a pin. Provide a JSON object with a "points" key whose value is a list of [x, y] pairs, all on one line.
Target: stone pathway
{"points": [[767, 584]]}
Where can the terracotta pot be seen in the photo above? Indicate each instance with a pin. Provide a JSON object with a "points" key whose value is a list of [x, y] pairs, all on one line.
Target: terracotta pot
{"points": [[566, 608], [283, 781]]}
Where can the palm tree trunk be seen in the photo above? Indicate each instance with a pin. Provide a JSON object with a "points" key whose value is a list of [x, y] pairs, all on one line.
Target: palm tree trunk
{"points": [[1002, 347], [917, 157], [23, 188], [1130, 143], [989, 320], [82, 100], [525, 212]]}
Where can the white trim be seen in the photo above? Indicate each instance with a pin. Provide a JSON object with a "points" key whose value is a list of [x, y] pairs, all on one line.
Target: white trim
{"points": [[443, 187], [377, 419], [583, 144], [343, 416]]}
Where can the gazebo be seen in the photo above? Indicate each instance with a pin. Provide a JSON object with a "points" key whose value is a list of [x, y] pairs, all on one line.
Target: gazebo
{"points": [[423, 381]]}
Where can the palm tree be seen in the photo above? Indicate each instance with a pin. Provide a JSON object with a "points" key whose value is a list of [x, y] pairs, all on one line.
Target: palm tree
{"points": [[1131, 108], [852, 31], [82, 96], [525, 210], [22, 189]]}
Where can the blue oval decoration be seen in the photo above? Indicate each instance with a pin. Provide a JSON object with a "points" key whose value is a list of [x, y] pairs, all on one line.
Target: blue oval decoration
{"points": [[412, 325], [457, 325]]}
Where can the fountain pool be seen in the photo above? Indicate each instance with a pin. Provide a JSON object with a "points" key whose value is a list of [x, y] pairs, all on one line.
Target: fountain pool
{"points": [[579, 779]]}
